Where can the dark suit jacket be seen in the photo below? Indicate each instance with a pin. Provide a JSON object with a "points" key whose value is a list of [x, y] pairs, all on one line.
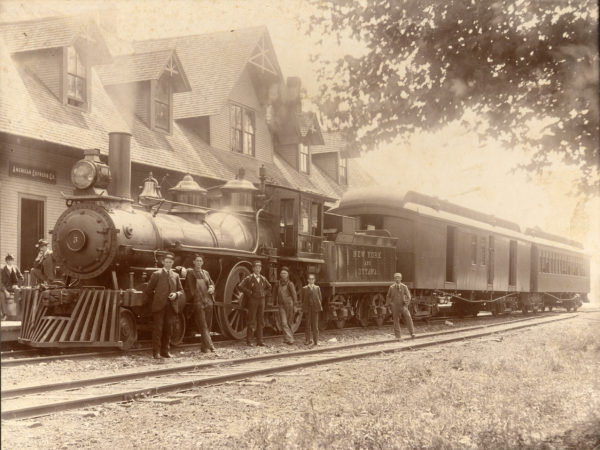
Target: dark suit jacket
{"points": [[10, 279], [160, 286], [311, 297], [253, 288], [196, 288]]}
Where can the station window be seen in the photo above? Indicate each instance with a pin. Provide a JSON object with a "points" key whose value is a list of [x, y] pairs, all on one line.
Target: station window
{"points": [[343, 170], [304, 159], [242, 130], [76, 78], [162, 104], [473, 249]]}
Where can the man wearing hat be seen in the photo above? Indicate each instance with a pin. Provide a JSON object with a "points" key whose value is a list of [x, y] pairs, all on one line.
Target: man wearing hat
{"points": [[43, 266], [164, 288], [285, 297], [255, 287], [399, 297], [10, 278]]}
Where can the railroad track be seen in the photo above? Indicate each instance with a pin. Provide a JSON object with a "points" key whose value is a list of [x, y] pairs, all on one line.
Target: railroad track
{"points": [[33, 356], [34, 401]]}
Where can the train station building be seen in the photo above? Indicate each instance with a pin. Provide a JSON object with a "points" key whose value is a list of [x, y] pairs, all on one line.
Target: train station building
{"points": [[206, 105]]}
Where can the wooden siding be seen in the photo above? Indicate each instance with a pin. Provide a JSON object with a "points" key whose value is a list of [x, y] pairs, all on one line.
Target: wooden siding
{"points": [[289, 153], [47, 66], [328, 163], [15, 188], [243, 94]]}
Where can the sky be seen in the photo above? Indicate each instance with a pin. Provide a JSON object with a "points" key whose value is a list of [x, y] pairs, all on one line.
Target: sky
{"points": [[452, 163]]}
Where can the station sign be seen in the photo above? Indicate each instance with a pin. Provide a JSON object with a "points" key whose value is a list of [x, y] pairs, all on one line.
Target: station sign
{"points": [[31, 172]]}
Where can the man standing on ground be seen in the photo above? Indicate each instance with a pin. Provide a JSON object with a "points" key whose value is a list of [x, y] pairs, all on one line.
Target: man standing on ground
{"points": [[312, 306], [285, 297], [164, 288], [200, 288], [399, 297], [255, 287]]}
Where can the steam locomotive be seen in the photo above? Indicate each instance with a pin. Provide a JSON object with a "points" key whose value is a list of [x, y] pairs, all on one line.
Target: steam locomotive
{"points": [[456, 261], [107, 245]]}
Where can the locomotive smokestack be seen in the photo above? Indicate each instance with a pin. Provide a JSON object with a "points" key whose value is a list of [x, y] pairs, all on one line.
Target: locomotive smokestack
{"points": [[119, 161]]}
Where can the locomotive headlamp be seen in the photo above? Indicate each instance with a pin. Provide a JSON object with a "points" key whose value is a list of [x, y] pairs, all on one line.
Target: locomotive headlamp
{"points": [[90, 171], [83, 174]]}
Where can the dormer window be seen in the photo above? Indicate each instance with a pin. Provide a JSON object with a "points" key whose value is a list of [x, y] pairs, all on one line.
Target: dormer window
{"points": [[76, 79], [304, 159], [343, 170], [243, 130], [162, 103]]}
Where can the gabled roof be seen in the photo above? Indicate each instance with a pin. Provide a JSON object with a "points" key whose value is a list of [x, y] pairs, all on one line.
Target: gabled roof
{"points": [[300, 127], [333, 142], [53, 32], [29, 109], [143, 67], [214, 63]]}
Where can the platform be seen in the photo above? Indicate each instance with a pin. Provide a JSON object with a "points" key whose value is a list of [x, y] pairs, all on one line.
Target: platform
{"points": [[10, 330]]}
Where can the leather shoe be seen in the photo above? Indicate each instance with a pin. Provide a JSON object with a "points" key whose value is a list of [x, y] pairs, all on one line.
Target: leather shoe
{"points": [[316, 344], [212, 349], [204, 350], [306, 342], [261, 344], [157, 356], [249, 344], [166, 355]]}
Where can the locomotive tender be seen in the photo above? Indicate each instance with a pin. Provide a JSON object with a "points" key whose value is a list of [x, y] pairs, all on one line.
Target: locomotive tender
{"points": [[454, 260], [107, 245]]}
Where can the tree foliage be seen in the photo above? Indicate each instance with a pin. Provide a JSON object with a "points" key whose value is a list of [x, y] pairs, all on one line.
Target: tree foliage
{"points": [[524, 72]]}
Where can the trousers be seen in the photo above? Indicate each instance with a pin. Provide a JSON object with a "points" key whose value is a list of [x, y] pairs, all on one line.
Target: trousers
{"points": [[200, 312], [162, 327], [399, 309], [286, 314], [256, 322], [312, 324]]}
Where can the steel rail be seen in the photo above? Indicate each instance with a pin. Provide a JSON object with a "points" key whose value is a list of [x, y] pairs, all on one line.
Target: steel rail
{"points": [[32, 411], [111, 352]]}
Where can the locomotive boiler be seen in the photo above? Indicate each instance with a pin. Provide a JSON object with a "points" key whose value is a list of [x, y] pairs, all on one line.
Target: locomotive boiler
{"points": [[107, 245]]}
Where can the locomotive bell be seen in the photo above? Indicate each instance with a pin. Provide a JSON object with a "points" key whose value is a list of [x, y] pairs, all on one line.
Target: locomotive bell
{"points": [[150, 194]]}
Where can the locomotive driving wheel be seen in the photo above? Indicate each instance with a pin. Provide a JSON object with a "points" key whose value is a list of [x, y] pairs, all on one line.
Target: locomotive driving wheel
{"points": [[231, 316], [127, 329]]}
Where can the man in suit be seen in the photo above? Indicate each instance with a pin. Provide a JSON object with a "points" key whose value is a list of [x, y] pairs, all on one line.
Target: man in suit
{"points": [[43, 266], [10, 278], [255, 287], [285, 297], [164, 288], [199, 287], [399, 297], [312, 306]]}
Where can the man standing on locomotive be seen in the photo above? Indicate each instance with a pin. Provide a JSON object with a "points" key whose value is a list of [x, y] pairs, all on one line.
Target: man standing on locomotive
{"points": [[200, 288], [164, 288], [11, 279], [43, 266], [399, 297], [312, 306], [255, 287], [285, 297]]}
